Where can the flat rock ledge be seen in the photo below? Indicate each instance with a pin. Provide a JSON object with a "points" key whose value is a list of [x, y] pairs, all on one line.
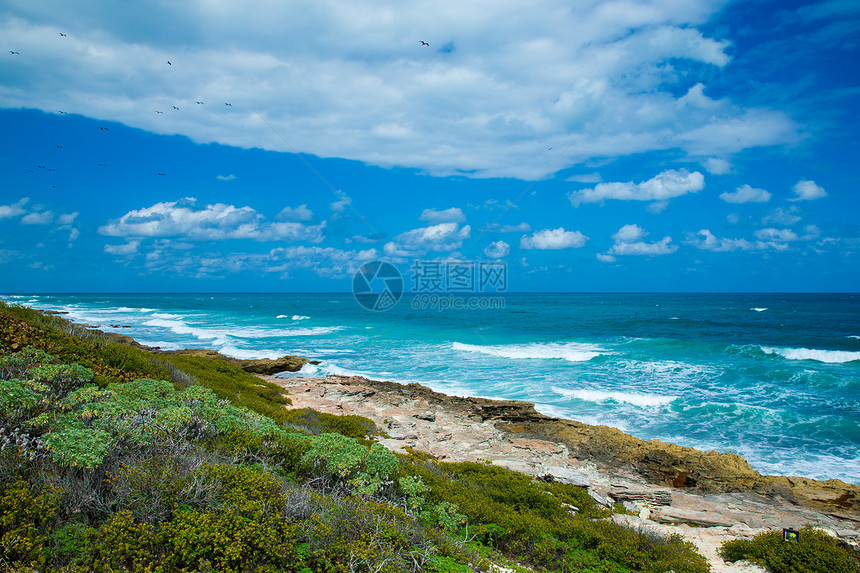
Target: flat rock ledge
{"points": [[707, 497]]}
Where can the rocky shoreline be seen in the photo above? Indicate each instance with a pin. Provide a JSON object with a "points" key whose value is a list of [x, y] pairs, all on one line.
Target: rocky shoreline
{"points": [[707, 497]]}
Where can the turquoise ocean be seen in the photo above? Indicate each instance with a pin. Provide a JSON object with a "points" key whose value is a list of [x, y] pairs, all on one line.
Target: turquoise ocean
{"points": [[772, 377]]}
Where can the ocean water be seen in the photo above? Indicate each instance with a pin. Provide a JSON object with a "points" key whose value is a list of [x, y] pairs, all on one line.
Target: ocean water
{"points": [[772, 377]]}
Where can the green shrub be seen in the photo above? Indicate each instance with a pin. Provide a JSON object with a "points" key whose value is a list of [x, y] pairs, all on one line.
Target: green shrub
{"points": [[529, 520], [314, 422], [24, 519], [815, 552], [347, 460], [231, 382]]}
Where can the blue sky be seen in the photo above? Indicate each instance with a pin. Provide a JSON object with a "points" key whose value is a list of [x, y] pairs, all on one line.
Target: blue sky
{"points": [[670, 145]]}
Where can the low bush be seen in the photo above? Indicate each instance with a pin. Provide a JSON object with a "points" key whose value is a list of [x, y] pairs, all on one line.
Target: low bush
{"points": [[814, 552], [232, 383], [313, 422]]}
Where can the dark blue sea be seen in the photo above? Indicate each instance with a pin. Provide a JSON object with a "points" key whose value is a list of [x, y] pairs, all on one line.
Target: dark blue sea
{"points": [[772, 377]]}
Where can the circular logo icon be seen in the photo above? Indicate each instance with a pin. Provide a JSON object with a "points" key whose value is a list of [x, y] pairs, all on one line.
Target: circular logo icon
{"points": [[377, 285]]}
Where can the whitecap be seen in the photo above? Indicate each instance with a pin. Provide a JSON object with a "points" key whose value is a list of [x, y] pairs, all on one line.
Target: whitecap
{"points": [[829, 356], [571, 351], [759, 309], [300, 317], [602, 396]]}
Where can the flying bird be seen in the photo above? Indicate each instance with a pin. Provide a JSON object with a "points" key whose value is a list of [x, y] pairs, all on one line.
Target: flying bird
{"points": [[101, 164], [228, 104], [63, 35], [41, 167], [168, 63], [423, 43], [14, 53], [103, 129], [62, 112], [161, 173], [59, 147], [161, 112], [176, 108], [199, 103], [29, 171]]}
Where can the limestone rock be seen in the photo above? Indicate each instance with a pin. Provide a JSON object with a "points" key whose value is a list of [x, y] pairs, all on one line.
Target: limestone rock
{"points": [[689, 516], [605, 501], [565, 475], [649, 496]]}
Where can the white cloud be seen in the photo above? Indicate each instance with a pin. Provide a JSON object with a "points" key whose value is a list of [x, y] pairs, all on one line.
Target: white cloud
{"points": [[343, 201], [511, 79], [766, 239], [499, 228], [746, 194], [776, 235], [497, 250], [324, 261], [586, 178], [300, 213], [628, 242], [629, 233], [67, 218], [546, 239], [452, 215], [209, 223], [604, 258], [129, 248], [38, 218], [807, 191], [443, 237], [716, 166], [661, 187], [230, 177], [16, 209], [707, 241], [780, 216]]}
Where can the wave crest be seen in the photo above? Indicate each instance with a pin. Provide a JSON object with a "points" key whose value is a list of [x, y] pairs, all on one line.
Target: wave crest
{"points": [[571, 351]]}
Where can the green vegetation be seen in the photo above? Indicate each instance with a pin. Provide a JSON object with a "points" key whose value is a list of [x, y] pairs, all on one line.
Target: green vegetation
{"points": [[116, 459], [815, 552]]}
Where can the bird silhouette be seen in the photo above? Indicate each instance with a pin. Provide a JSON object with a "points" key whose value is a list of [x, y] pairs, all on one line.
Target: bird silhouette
{"points": [[14, 53], [161, 173], [103, 129], [41, 167], [161, 112], [29, 171], [176, 108], [199, 103], [101, 164], [63, 35], [51, 169], [62, 112], [168, 63], [59, 147], [228, 104], [423, 43]]}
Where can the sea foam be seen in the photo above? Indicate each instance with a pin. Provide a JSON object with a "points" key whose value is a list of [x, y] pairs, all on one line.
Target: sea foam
{"points": [[829, 356], [571, 351], [601, 396]]}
